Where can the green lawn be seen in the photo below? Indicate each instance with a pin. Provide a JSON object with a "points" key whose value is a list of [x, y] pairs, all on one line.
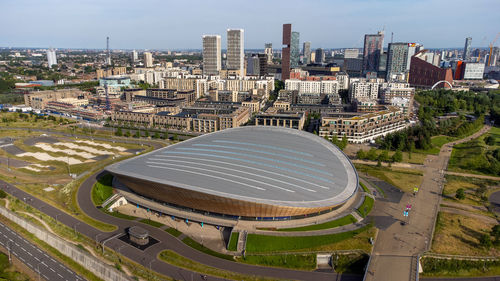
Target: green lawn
{"points": [[365, 189], [102, 189], [266, 243], [459, 268], [302, 262], [173, 232], [331, 224], [233, 241], [195, 245], [437, 142], [366, 207], [152, 222]]}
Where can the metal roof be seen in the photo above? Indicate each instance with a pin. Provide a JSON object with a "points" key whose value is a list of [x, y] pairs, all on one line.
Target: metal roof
{"points": [[263, 164]]}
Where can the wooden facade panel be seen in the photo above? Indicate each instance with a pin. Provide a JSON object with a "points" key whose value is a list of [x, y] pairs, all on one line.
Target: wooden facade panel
{"points": [[212, 203]]}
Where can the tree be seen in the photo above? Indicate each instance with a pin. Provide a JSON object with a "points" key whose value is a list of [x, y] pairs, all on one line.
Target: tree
{"points": [[397, 156], [127, 134], [489, 140], [495, 232], [384, 156], [372, 154], [137, 134], [3, 194], [361, 154], [343, 143], [460, 195], [156, 135], [119, 132], [485, 241], [146, 134], [176, 137]]}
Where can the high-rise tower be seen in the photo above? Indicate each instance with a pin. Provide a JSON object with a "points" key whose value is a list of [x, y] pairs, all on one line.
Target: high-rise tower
{"points": [[285, 51], [372, 50], [235, 50], [211, 54], [467, 48]]}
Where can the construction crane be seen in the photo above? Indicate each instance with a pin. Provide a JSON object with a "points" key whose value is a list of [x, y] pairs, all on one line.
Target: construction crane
{"points": [[491, 48]]}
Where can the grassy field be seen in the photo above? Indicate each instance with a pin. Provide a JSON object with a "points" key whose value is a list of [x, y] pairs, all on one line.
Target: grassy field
{"points": [[152, 222], [8, 272], [404, 179], [363, 186], [268, 244], [173, 232], [102, 189], [366, 207], [233, 241], [470, 185], [331, 224], [459, 235], [302, 262], [459, 268], [476, 156], [173, 258], [437, 142]]}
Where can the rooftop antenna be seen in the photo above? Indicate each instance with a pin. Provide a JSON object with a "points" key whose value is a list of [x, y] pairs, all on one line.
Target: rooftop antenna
{"points": [[392, 36], [108, 62]]}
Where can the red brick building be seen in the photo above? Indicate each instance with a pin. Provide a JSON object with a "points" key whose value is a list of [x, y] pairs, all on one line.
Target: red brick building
{"points": [[424, 74]]}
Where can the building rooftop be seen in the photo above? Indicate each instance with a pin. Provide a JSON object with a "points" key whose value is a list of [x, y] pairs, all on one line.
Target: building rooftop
{"points": [[268, 165]]}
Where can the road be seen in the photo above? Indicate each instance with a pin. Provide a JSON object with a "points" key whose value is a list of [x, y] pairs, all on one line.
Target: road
{"points": [[35, 258], [148, 258], [397, 244]]}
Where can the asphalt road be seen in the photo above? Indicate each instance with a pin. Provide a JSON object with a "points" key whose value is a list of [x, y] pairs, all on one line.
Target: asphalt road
{"points": [[35, 258]]}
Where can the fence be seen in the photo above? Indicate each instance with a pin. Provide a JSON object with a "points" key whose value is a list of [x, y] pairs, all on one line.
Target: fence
{"points": [[89, 262]]}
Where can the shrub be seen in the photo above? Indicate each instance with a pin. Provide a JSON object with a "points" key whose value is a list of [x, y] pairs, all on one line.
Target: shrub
{"points": [[460, 195]]}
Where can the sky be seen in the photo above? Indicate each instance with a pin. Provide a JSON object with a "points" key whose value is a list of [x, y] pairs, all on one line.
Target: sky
{"points": [[171, 25]]}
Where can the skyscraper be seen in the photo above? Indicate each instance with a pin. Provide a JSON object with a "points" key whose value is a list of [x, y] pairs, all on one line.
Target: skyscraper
{"points": [[285, 51], [148, 59], [51, 57], [269, 52], [211, 54], [398, 58], [135, 57], [467, 50], [307, 52], [235, 50], [320, 56], [373, 48], [295, 49]]}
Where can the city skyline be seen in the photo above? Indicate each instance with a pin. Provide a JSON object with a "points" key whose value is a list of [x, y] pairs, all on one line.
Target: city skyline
{"points": [[86, 24]]}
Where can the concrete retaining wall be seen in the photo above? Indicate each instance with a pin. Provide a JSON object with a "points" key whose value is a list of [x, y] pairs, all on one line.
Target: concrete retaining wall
{"points": [[89, 262]]}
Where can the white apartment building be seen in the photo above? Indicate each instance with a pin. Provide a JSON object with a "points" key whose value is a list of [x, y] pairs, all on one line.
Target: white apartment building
{"points": [[148, 59], [363, 90], [312, 87]]}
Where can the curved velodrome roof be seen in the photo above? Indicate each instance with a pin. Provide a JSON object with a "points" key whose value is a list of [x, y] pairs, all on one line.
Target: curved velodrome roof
{"points": [[268, 165]]}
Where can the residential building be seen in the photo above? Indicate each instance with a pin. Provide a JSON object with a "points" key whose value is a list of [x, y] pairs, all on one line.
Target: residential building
{"points": [[306, 50], [257, 64], [295, 50], [278, 118], [363, 128], [235, 50], [367, 90], [135, 56], [285, 51], [211, 54], [312, 87], [467, 49], [399, 59], [342, 80], [51, 57], [148, 59], [268, 50], [373, 48], [39, 100], [351, 53]]}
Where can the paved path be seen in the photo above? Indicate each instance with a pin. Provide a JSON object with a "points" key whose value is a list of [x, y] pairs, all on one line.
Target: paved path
{"points": [[472, 175], [468, 214], [398, 243], [34, 257]]}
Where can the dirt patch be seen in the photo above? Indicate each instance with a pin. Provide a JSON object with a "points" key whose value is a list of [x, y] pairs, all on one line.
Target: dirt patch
{"points": [[12, 149]]}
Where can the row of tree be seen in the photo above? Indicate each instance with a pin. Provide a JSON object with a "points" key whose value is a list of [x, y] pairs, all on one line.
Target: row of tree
{"points": [[156, 135], [383, 156]]}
